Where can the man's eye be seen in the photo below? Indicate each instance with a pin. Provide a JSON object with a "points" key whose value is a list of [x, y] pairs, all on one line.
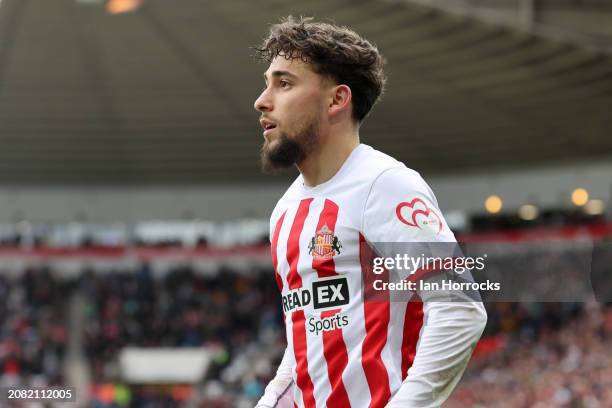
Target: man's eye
{"points": [[283, 84]]}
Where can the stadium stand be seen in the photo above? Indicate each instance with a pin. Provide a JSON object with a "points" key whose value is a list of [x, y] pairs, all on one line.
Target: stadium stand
{"points": [[33, 329], [533, 354]]}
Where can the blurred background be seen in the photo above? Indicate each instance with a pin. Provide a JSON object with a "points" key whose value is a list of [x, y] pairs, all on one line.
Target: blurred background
{"points": [[134, 263]]}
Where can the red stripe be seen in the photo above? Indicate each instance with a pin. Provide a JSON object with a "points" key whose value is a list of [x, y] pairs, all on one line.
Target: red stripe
{"points": [[334, 350], [376, 315], [413, 321], [565, 233], [293, 244], [299, 322], [299, 348], [142, 252], [274, 244], [329, 216]]}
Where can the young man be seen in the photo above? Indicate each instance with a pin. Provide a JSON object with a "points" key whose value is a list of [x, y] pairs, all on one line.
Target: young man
{"points": [[342, 350]]}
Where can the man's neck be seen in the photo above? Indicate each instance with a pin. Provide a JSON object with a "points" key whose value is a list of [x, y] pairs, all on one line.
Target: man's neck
{"points": [[323, 163]]}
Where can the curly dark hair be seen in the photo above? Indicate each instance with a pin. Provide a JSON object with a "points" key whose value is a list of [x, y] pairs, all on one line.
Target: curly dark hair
{"points": [[335, 52]]}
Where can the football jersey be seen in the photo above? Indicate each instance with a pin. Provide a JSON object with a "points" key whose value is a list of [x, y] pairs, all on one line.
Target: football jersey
{"points": [[344, 351]]}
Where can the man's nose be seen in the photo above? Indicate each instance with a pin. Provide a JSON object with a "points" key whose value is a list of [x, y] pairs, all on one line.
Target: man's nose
{"points": [[263, 102]]}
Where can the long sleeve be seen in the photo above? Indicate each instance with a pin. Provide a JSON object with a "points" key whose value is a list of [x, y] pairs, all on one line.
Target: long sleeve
{"points": [[401, 209], [279, 391], [450, 333]]}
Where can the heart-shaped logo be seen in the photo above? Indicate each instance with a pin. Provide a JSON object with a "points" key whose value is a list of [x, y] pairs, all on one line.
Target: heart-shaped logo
{"points": [[417, 214]]}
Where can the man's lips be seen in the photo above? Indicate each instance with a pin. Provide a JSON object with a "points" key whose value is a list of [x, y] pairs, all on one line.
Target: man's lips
{"points": [[268, 131], [268, 126]]}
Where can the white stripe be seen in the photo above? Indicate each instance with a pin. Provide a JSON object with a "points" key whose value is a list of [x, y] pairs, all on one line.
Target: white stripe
{"points": [[392, 351], [354, 377], [318, 371], [297, 394], [281, 247], [283, 270]]}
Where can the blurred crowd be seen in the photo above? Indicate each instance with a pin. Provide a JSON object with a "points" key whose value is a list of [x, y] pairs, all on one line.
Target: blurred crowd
{"points": [[237, 316], [552, 355], [532, 354], [33, 328]]}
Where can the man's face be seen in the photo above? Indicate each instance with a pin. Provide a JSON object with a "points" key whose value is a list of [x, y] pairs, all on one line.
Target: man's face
{"points": [[292, 106]]}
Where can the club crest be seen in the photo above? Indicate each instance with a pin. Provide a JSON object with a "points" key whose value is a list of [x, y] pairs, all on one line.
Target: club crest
{"points": [[324, 245]]}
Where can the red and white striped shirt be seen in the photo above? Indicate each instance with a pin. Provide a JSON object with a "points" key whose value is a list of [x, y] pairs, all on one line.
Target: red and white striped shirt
{"points": [[341, 351]]}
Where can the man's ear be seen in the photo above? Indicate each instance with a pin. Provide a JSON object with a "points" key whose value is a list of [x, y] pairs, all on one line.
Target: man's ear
{"points": [[340, 100]]}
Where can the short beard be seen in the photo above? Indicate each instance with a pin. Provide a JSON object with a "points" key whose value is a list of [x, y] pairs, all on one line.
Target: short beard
{"points": [[289, 150]]}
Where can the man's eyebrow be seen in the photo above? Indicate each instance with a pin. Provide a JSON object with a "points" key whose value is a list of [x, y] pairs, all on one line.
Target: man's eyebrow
{"points": [[279, 74]]}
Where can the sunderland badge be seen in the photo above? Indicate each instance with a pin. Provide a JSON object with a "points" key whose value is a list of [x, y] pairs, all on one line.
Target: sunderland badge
{"points": [[324, 244]]}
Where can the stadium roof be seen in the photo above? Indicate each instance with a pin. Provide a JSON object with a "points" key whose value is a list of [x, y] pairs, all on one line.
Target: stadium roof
{"points": [[164, 95]]}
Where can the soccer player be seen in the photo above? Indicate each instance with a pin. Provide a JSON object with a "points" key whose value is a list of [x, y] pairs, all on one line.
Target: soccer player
{"points": [[342, 351]]}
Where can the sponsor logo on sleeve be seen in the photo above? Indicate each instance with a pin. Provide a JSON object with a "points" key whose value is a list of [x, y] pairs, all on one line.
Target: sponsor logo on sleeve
{"points": [[418, 214]]}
